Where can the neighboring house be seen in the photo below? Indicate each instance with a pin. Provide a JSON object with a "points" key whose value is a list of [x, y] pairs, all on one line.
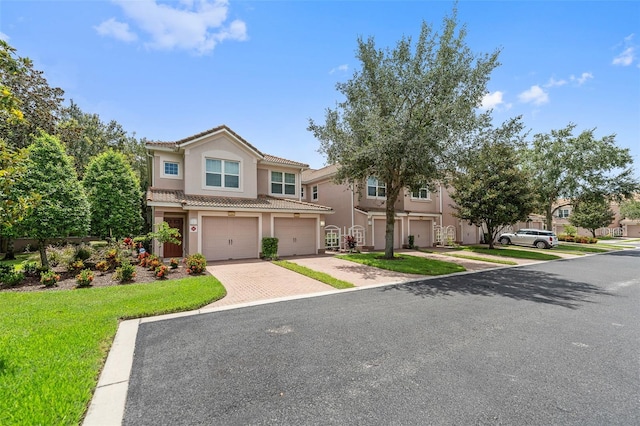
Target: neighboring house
{"points": [[619, 226], [422, 214], [224, 196]]}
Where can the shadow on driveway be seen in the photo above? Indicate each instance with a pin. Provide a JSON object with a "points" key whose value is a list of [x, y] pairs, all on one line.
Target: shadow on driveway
{"points": [[517, 283]]}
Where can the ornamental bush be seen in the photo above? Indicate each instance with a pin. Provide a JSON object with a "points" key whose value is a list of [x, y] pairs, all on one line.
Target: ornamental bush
{"points": [[196, 264], [12, 278], [173, 263], [125, 273], [161, 272], [270, 248], [49, 278], [84, 278]]}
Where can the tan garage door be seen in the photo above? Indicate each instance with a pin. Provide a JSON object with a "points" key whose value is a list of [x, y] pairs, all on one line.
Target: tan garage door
{"points": [[296, 236], [421, 231], [229, 238], [380, 226]]}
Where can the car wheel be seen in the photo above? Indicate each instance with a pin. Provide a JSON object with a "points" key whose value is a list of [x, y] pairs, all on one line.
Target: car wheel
{"points": [[504, 241], [541, 245]]}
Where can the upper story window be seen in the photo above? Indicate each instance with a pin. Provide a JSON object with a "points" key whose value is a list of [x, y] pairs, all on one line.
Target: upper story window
{"points": [[283, 183], [376, 189], [171, 168], [421, 194], [302, 192], [563, 213], [222, 173], [314, 192]]}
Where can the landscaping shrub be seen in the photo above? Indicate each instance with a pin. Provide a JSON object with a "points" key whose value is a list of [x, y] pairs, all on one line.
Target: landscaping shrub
{"points": [[270, 248], [143, 241], [125, 273], [30, 268], [83, 252], [174, 263], [75, 265], [411, 241], [84, 278], [196, 264], [49, 278], [143, 259], [54, 256], [161, 272], [103, 266], [12, 278], [153, 262]]}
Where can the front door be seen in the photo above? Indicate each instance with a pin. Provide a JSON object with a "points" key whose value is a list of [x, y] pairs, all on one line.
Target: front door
{"points": [[170, 249]]}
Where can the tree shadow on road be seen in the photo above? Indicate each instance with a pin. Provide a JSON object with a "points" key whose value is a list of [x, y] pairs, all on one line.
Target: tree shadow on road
{"points": [[515, 283]]}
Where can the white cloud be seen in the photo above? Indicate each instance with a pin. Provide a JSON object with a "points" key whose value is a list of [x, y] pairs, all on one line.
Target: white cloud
{"points": [[555, 83], [628, 55], [118, 30], [3, 36], [583, 78], [341, 68], [494, 100], [535, 95], [193, 25]]}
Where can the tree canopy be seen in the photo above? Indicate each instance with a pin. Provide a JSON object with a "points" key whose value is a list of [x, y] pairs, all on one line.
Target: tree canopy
{"points": [[592, 212], [630, 209], [113, 192], [404, 111], [491, 189], [63, 210], [568, 166]]}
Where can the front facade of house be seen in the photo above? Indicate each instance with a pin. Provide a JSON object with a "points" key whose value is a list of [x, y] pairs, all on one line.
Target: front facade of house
{"points": [[619, 226], [224, 196], [425, 215]]}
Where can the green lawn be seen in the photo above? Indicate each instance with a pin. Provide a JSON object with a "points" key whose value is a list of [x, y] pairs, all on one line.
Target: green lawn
{"points": [[320, 276], [516, 254], [405, 263], [583, 248], [482, 259], [21, 258], [53, 344]]}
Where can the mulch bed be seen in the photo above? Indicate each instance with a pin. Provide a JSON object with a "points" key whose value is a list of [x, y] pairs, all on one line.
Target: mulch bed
{"points": [[68, 279]]}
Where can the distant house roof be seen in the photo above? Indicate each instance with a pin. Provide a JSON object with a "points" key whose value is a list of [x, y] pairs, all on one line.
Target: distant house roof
{"points": [[158, 196], [309, 176], [264, 158]]}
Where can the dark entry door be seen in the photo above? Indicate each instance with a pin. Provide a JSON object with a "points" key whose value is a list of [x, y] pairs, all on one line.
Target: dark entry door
{"points": [[170, 249]]}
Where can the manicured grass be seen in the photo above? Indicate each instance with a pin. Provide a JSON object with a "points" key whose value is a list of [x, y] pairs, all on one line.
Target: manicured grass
{"points": [[320, 276], [405, 263], [584, 248], [20, 258], [53, 344], [516, 254], [482, 259]]}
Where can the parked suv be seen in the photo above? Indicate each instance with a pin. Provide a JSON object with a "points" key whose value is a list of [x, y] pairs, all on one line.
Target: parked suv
{"points": [[530, 237]]}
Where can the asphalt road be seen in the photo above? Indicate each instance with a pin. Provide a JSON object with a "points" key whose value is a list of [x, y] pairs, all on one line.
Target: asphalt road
{"points": [[554, 343]]}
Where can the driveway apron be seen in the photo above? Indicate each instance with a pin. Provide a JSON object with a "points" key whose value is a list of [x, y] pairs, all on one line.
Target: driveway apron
{"points": [[253, 280]]}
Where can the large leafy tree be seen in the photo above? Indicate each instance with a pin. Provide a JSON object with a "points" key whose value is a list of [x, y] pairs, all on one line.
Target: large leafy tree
{"points": [[25, 89], [14, 204], [568, 166], [63, 210], [491, 189], [404, 111], [113, 192], [591, 212], [630, 209]]}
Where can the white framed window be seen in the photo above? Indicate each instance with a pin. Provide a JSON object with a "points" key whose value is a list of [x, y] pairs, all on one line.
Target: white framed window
{"points": [[314, 192], [563, 213], [170, 169], [376, 189], [222, 173], [421, 194], [283, 183]]}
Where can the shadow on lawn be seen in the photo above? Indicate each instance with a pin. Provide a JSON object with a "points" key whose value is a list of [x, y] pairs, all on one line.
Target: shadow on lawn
{"points": [[515, 283]]}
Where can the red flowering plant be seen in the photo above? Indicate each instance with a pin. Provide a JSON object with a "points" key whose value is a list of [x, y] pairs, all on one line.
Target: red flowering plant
{"points": [[174, 263], [143, 258], [161, 272], [49, 278], [196, 263], [84, 278]]}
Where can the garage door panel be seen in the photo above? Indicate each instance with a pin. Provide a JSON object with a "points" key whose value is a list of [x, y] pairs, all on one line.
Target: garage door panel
{"points": [[380, 231], [421, 231], [296, 236], [229, 238]]}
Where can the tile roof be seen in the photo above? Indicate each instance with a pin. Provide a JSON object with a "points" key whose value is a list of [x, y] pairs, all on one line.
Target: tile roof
{"points": [[263, 202], [311, 175], [266, 157]]}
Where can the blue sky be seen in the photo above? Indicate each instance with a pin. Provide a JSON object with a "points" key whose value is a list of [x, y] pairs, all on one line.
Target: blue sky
{"points": [[167, 70]]}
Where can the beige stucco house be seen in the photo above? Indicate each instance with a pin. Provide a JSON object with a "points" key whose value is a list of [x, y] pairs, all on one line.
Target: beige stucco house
{"points": [[224, 195], [422, 214], [619, 226]]}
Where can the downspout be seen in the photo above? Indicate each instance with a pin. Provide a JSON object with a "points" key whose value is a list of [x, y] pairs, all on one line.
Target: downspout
{"points": [[440, 190], [353, 194]]}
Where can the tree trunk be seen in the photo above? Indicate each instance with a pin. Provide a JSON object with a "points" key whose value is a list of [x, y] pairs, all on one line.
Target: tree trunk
{"points": [[390, 210], [549, 217], [490, 232], [10, 254], [42, 248]]}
